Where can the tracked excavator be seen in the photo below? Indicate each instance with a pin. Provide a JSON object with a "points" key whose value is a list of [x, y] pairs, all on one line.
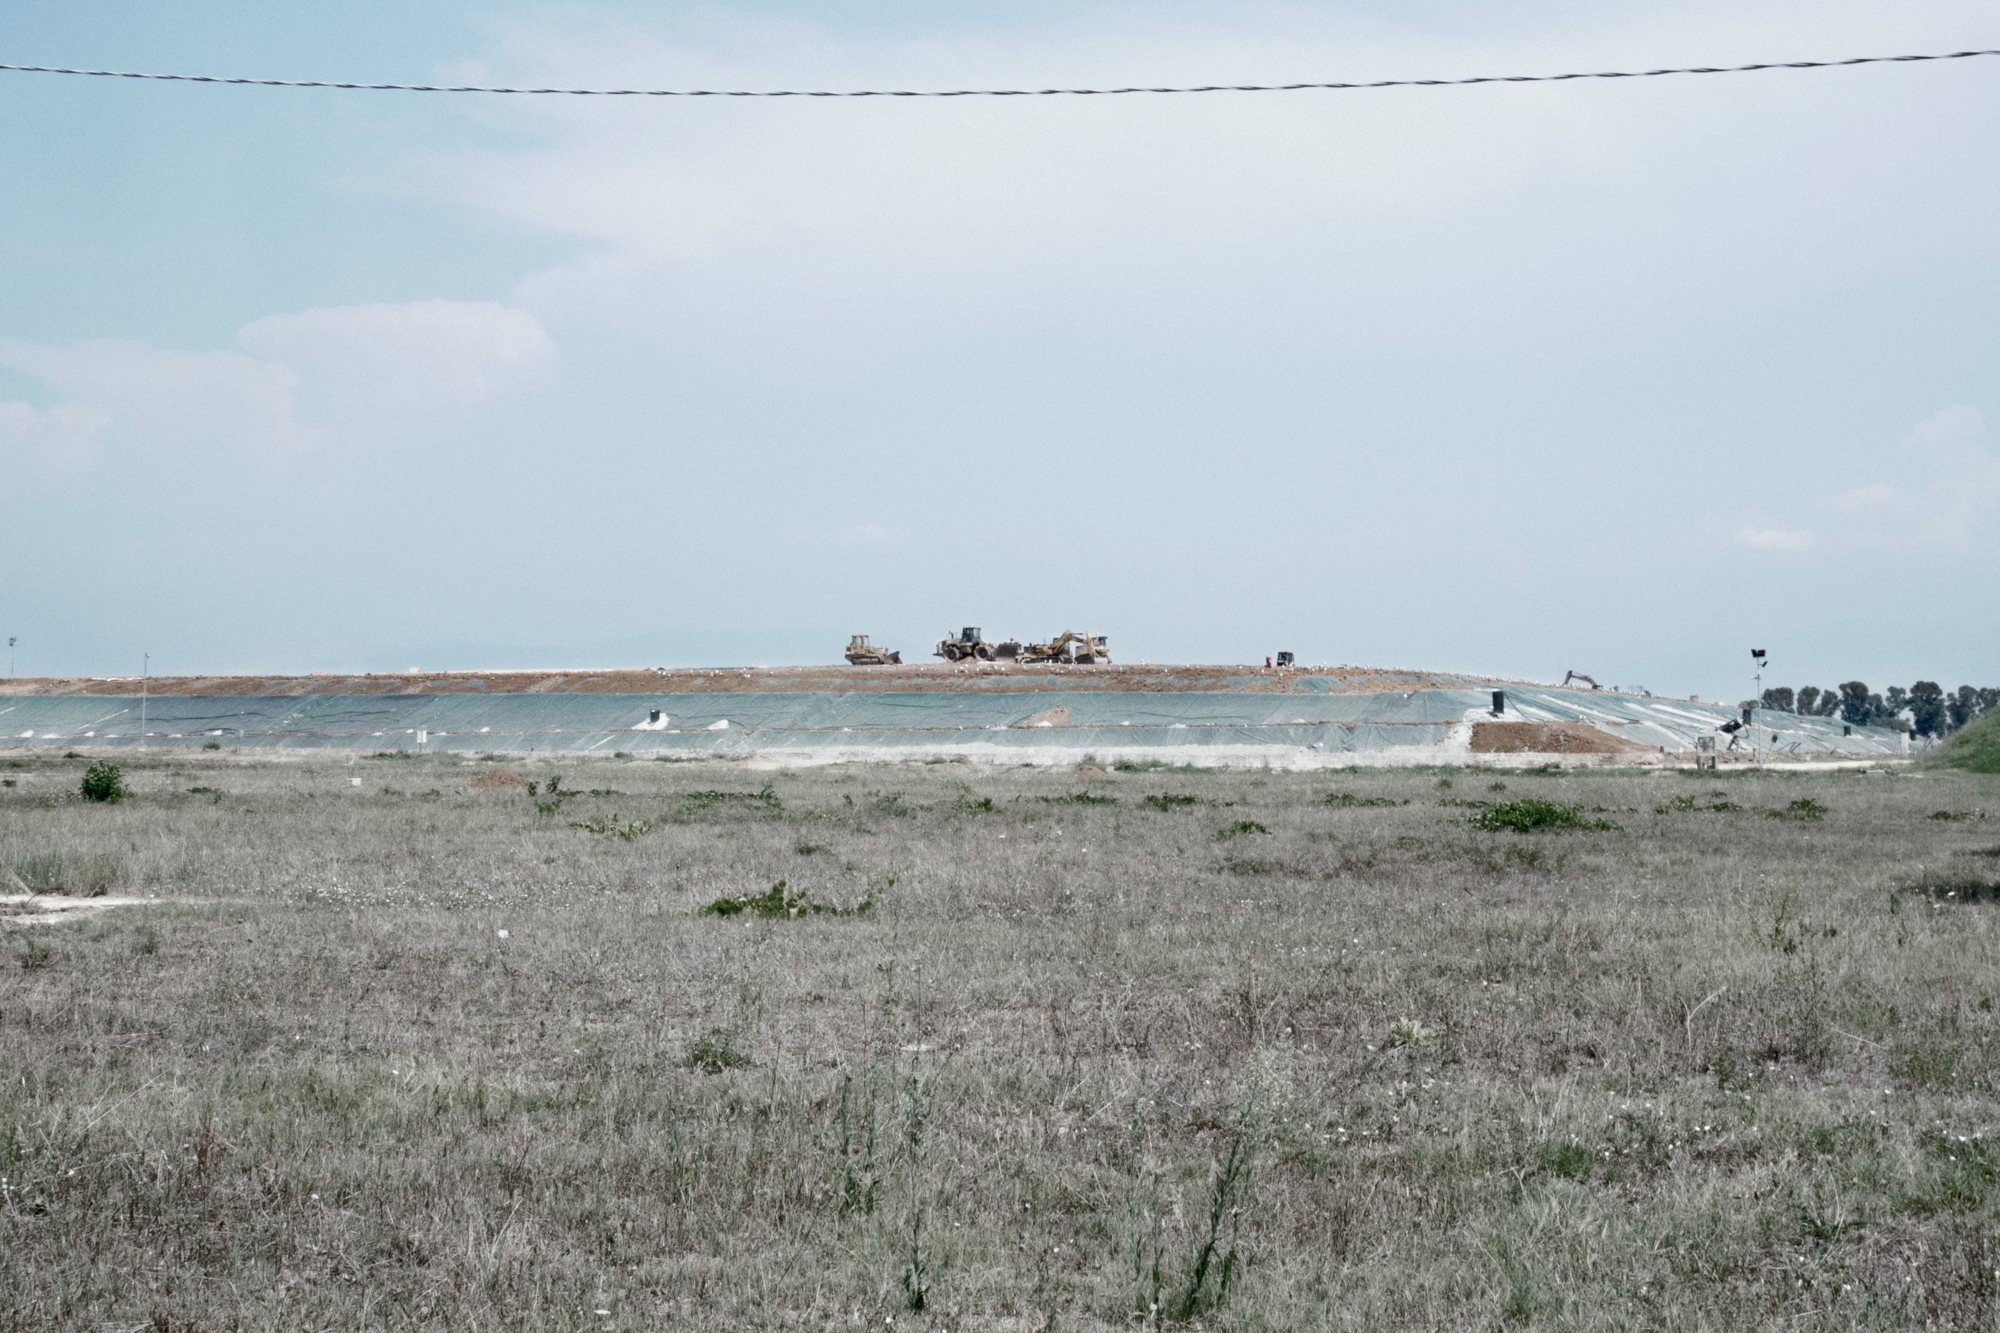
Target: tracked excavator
{"points": [[1070, 647], [1578, 675]]}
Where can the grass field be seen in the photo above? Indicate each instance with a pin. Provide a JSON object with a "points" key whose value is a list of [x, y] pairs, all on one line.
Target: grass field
{"points": [[1594, 1050]]}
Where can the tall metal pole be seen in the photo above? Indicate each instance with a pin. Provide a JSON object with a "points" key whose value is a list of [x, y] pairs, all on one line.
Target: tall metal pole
{"points": [[145, 672]]}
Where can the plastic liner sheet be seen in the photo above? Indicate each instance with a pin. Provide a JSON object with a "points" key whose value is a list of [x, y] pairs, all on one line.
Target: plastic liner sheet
{"points": [[1099, 721]]}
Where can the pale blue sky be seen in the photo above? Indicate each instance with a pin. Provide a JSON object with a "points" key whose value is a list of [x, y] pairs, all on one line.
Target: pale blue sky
{"points": [[1625, 377]]}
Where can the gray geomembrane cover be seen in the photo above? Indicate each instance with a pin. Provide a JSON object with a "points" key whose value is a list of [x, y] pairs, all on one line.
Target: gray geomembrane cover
{"points": [[1303, 721]]}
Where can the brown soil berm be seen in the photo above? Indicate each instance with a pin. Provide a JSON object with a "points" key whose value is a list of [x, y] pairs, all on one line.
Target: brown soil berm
{"points": [[914, 678], [1550, 738], [499, 777]]}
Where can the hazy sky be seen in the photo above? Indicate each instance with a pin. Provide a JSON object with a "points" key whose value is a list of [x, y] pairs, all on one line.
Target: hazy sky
{"points": [[1626, 377]]}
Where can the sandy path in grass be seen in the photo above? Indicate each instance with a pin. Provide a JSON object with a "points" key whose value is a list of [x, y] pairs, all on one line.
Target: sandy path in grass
{"points": [[25, 909]]}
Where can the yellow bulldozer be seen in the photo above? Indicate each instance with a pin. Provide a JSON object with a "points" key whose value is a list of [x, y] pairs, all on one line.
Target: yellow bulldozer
{"points": [[860, 652], [1070, 647]]}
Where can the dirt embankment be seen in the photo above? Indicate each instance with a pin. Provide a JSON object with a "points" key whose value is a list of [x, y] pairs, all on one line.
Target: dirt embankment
{"points": [[1550, 738], [1000, 678]]}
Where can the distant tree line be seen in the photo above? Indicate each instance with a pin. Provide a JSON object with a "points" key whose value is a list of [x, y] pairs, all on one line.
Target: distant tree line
{"points": [[1932, 711]]}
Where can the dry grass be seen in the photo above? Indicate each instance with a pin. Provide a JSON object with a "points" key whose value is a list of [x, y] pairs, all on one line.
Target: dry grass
{"points": [[435, 1056]]}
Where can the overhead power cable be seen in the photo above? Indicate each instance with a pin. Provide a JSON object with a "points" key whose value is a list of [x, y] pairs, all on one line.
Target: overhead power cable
{"points": [[1000, 92]]}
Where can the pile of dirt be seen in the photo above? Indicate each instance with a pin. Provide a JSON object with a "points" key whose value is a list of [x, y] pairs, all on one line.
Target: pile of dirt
{"points": [[1550, 738], [499, 777]]}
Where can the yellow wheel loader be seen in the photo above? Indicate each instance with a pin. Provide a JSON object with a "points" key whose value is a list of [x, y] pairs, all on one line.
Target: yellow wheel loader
{"points": [[968, 643]]}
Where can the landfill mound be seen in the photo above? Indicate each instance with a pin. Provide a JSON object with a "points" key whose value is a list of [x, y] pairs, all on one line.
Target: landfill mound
{"points": [[1550, 738], [1311, 716], [913, 678]]}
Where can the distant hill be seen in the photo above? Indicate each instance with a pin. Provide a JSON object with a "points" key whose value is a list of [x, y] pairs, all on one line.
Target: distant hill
{"points": [[1976, 749]]}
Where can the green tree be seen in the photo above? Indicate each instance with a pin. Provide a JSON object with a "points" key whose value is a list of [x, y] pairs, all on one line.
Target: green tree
{"points": [[1778, 699], [1927, 708], [1961, 707], [1856, 708]]}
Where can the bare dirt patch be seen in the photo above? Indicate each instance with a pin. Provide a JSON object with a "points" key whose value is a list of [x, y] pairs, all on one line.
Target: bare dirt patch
{"points": [[1550, 738], [500, 777]]}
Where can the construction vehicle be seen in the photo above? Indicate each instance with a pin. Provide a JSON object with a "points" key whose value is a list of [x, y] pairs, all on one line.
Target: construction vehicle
{"points": [[968, 643], [860, 652], [1578, 675], [1070, 647]]}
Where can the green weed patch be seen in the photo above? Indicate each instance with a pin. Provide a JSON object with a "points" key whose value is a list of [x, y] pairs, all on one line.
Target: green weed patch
{"points": [[781, 901], [1686, 803], [716, 1050], [764, 800], [1078, 798], [626, 831], [1805, 808], [102, 782], [1531, 814]]}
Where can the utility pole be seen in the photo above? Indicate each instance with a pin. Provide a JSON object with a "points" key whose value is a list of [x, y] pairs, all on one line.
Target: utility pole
{"points": [[145, 671], [10, 656]]}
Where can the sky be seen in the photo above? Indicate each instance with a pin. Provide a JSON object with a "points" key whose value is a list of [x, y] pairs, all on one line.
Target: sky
{"points": [[1621, 377]]}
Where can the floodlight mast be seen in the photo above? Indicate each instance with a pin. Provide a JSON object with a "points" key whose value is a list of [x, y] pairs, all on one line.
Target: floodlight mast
{"points": [[1762, 659]]}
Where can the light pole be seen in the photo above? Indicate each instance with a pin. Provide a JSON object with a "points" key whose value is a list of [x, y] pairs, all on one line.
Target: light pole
{"points": [[145, 671], [1758, 656], [10, 656]]}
